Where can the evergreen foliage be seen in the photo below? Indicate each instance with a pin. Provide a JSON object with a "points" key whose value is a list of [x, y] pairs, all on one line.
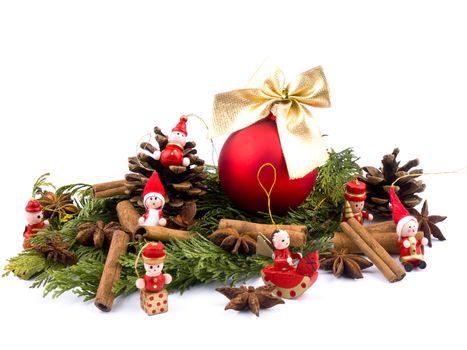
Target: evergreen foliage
{"points": [[191, 262]]}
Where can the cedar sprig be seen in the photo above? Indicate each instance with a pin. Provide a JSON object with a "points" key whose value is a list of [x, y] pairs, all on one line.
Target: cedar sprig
{"points": [[44, 277], [197, 260], [322, 211], [28, 264], [194, 261], [41, 183], [82, 279], [91, 253], [330, 184], [79, 191]]}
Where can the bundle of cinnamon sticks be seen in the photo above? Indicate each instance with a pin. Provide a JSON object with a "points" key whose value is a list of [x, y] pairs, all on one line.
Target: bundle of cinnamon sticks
{"points": [[368, 245], [384, 233]]}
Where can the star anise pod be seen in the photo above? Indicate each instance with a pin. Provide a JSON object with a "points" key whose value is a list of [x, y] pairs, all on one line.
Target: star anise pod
{"points": [[186, 217], [54, 248], [427, 223], [343, 263], [250, 298], [96, 234], [61, 206], [230, 240]]}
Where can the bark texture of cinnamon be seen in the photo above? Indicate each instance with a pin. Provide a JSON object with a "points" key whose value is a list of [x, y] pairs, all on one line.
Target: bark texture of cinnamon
{"points": [[111, 273], [297, 233], [109, 189], [373, 250], [128, 217], [159, 233], [383, 232]]}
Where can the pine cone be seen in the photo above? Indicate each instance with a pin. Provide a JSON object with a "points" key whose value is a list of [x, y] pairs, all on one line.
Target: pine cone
{"points": [[379, 180], [182, 184]]}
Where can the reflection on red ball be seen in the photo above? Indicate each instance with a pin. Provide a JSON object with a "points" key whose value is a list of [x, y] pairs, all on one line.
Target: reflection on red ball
{"points": [[243, 153]]}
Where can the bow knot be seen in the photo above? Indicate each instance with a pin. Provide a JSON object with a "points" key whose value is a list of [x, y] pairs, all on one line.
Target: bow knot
{"points": [[298, 131]]}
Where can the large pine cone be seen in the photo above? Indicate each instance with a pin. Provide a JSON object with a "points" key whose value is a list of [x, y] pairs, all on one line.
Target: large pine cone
{"points": [[182, 184], [379, 180]]}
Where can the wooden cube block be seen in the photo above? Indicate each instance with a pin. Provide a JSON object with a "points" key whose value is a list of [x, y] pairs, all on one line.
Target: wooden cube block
{"points": [[154, 303]]}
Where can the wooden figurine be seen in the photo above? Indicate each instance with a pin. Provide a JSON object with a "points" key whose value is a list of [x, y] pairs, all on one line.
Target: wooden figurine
{"points": [[172, 154], [154, 200], [411, 247], [355, 195], [289, 280], [153, 296], [35, 221], [283, 258]]}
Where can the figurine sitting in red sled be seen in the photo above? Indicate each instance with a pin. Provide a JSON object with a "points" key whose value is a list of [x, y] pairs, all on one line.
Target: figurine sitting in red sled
{"points": [[290, 281]]}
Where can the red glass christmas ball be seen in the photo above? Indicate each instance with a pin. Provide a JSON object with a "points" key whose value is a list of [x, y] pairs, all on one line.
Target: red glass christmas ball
{"points": [[243, 153]]}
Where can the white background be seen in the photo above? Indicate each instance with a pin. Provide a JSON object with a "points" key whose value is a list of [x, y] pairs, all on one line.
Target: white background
{"points": [[82, 81]]}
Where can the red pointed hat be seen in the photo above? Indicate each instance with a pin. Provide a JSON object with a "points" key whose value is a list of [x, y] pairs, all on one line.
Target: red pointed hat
{"points": [[181, 126], [153, 253], [33, 206], [355, 191], [400, 215], [154, 187]]}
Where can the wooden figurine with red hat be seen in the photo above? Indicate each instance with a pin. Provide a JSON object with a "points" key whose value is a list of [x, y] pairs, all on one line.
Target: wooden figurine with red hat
{"points": [[35, 221], [153, 295], [173, 152], [289, 281], [283, 257], [154, 200], [411, 248], [355, 195]]}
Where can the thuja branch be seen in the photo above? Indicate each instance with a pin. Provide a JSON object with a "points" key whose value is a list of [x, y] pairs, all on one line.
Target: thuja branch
{"points": [[195, 261]]}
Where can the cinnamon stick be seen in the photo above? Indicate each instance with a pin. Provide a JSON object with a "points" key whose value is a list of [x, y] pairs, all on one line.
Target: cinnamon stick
{"points": [[160, 233], [109, 189], [384, 226], [128, 217], [370, 253], [297, 233], [387, 239], [111, 273], [377, 248], [107, 185]]}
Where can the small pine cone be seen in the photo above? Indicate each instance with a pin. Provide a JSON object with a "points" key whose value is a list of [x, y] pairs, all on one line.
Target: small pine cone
{"points": [[182, 184], [378, 181]]}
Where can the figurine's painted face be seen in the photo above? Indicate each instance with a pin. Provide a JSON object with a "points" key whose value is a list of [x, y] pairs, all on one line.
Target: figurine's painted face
{"points": [[409, 229], [153, 202], [153, 270], [357, 207], [281, 240], [34, 218], [177, 137]]}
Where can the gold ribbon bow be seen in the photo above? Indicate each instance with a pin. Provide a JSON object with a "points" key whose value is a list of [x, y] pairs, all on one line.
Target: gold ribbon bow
{"points": [[301, 141]]}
